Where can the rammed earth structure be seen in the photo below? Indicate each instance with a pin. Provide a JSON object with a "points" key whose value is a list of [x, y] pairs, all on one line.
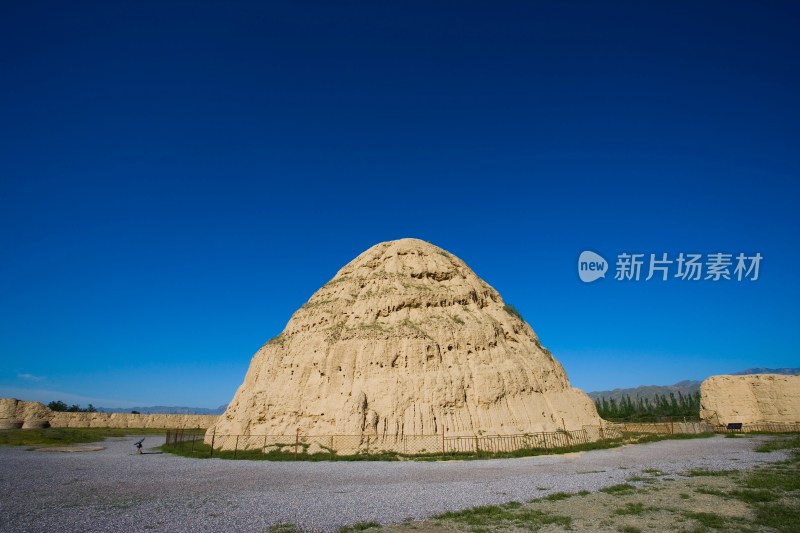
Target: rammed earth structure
{"points": [[405, 340]]}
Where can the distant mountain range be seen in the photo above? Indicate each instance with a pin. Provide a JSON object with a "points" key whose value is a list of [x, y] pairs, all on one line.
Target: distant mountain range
{"points": [[165, 410], [684, 387]]}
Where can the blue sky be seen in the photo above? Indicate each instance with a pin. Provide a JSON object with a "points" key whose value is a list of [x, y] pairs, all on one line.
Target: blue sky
{"points": [[177, 178]]}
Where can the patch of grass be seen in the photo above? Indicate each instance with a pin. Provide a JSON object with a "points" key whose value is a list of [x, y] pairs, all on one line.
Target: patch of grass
{"points": [[712, 520], [753, 496], [619, 489], [504, 516], [786, 478], [359, 526], [511, 310], [629, 529], [645, 438], [583, 493], [279, 339], [684, 496], [284, 527], [779, 444], [556, 496], [635, 509], [66, 436], [704, 472], [784, 518], [637, 478], [482, 514], [653, 471], [711, 492]]}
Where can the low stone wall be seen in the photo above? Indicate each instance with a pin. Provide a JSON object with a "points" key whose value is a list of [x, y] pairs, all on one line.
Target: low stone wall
{"points": [[126, 420], [19, 414]]}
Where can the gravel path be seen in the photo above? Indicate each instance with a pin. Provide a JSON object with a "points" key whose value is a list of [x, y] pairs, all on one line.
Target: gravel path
{"points": [[116, 490]]}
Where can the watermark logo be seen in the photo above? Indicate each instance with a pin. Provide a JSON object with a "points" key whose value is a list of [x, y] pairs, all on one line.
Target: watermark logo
{"points": [[714, 267], [591, 266]]}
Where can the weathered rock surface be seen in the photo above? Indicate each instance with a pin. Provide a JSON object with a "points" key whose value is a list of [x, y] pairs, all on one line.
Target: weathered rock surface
{"points": [[20, 414], [17, 414], [751, 399], [405, 340]]}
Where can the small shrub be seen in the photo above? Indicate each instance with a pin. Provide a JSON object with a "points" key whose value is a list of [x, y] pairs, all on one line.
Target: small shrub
{"points": [[511, 310], [558, 496], [622, 488]]}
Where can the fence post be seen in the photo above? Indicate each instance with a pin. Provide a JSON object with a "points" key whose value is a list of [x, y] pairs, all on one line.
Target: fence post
{"points": [[442, 440], [296, 442], [213, 437], [236, 447]]}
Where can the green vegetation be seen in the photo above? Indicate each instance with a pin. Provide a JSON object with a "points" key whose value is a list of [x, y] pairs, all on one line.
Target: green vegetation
{"points": [[711, 520], [643, 409], [622, 488], [635, 509], [558, 496], [701, 472], [66, 436], [791, 442], [512, 514], [358, 526], [511, 310], [629, 529], [60, 406], [784, 518], [276, 340]]}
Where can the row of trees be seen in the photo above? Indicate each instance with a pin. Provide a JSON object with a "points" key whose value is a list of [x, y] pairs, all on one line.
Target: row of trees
{"points": [[672, 405], [58, 405]]}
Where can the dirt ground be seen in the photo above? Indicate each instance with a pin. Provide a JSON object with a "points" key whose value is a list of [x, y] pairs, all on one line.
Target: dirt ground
{"points": [[649, 502]]}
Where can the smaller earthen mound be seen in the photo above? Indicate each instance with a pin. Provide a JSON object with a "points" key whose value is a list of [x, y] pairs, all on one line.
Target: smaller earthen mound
{"points": [[751, 399], [16, 414]]}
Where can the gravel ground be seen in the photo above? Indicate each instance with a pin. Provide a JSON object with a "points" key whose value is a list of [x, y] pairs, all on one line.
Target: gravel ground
{"points": [[116, 490]]}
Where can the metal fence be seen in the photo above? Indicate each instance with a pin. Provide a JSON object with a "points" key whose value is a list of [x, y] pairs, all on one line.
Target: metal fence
{"points": [[202, 444], [759, 427], [666, 428]]}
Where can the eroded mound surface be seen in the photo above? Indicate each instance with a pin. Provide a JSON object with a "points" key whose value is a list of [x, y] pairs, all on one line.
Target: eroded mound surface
{"points": [[405, 339]]}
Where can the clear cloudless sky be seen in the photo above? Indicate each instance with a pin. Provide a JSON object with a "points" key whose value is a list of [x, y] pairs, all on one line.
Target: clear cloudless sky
{"points": [[177, 178]]}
